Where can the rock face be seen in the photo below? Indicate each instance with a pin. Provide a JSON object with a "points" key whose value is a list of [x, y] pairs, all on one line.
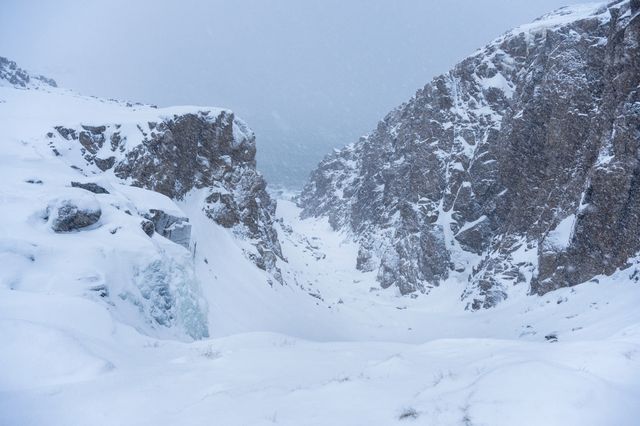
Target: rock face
{"points": [[520, 166], [208, 150], [90, 186], [20, 78], [176, 229]]}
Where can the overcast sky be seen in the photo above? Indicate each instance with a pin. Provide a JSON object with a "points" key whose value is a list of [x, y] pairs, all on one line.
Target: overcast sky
{"points": [[306, 75]]}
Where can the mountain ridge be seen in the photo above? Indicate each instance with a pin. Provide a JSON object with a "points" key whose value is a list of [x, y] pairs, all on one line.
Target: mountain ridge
{"points": [[458, 182]]}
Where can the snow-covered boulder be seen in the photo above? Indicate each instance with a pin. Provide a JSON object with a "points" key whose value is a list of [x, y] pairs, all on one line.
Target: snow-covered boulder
{"points": [[73, 213]]}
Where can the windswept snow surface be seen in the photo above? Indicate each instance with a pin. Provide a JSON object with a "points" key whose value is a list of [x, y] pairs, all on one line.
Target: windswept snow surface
{"points": [[328, 348], [352, 354]]}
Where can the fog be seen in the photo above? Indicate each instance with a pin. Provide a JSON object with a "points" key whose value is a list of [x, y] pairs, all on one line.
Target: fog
{"points": [[307, 76]]}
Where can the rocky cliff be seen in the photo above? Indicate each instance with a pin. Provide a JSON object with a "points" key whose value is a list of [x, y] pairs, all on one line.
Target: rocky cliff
{"points": [[519, 167], [13, 75], [172, 151], [184, 150]]}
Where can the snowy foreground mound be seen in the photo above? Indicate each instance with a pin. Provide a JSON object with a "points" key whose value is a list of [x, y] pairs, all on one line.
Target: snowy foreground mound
{"points": [[356, 356]]}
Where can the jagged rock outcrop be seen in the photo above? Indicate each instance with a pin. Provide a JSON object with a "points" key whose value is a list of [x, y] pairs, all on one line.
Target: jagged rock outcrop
{"points": [[195, 149], [520, 165], [19, 78], [174, 228], [90, 186]]}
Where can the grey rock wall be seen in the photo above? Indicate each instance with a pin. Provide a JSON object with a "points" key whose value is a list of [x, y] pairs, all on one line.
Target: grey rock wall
{"points": [[19, 78], [208, 149], [480, 175]]}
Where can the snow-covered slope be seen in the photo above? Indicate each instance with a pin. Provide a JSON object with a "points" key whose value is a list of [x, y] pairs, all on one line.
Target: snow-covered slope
{"points": [[358, 357], [146, 282]]}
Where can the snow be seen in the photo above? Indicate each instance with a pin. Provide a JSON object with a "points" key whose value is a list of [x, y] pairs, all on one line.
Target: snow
{"points": [[147, 200], [493, 367], [27, 114], [559, 238], [280, 356], [470, 225], [202, 336], [499, 81], [241, 132], [564, 16]]}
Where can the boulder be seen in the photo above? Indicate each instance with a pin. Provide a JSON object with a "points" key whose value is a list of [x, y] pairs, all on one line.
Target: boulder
{"points": [[73, 213], [174, 228], [90, 186], [148, 227]]}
